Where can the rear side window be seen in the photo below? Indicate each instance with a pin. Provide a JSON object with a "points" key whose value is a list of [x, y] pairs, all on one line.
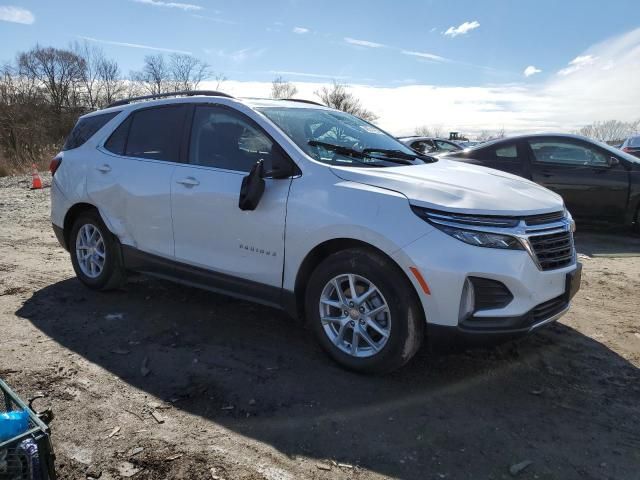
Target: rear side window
{"points": [[510, 152], [85, 129], [155, 133], [118, 139]]}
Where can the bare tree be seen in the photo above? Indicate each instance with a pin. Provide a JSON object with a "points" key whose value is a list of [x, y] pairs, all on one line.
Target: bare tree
{"points": [[113, 86], [485, 135], [92, 57], [280, 88], [58, 72], [429, 131], [337, 96], [187, 72], [155, 76], [610, 130]]}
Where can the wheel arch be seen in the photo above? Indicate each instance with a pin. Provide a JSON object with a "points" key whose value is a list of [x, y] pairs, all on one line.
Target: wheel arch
{"points": [[74, 212], [295, 303]]}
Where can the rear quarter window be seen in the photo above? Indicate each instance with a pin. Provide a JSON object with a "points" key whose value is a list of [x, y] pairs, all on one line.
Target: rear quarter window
{"points": [[85, 129]]}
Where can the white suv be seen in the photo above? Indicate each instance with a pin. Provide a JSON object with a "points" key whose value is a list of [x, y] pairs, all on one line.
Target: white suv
{"points": [[309, 209]]}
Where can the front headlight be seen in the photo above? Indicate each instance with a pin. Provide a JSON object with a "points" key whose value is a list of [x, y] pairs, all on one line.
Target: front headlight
{"points": [[481, 239], [469, 228]]}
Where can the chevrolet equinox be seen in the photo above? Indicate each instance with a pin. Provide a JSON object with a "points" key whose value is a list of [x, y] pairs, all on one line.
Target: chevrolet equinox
{"points": [[314, 211]]}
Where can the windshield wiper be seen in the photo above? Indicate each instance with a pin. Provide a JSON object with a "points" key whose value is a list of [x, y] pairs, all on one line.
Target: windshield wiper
{"points": [[395, 156], [399, 154], [337, 148]]}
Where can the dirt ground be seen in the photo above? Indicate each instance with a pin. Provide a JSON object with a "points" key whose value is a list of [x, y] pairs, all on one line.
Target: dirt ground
{"points": [[244, 393]]}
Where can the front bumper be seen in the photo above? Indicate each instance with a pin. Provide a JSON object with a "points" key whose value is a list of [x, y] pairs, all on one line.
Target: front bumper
{"points": [[539, 297]]}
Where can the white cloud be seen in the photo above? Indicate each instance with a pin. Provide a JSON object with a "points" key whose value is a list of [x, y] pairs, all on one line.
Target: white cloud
{"points": [[531, 70], [215, 19], [238, 56], [428, 56], [577, 63], [462, 29], [363, 43], [13, 14], [599, 91], [159, 3], [134, 45], [300, 30]]}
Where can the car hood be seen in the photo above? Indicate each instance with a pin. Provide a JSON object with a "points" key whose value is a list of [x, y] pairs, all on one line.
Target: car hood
{"points": [[459, 187]]}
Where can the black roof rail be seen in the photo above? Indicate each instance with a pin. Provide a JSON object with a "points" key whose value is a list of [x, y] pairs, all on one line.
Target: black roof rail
{"points": [[311, 102], [184, 93]]}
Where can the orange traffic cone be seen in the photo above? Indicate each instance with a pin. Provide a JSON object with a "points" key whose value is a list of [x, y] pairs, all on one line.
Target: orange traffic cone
{"points": [[36, 182]]}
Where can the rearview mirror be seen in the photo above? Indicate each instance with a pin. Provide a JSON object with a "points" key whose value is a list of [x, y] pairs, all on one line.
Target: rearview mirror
{"points": [[252, 187], [613, 161]]}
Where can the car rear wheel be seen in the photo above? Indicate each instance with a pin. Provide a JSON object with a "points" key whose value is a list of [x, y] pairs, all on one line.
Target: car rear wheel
{"points": [[95, 253], [364, 311]]}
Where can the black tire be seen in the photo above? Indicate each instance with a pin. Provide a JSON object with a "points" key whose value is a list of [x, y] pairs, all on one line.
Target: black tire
{"points": [[113, 274], [407, 325]]}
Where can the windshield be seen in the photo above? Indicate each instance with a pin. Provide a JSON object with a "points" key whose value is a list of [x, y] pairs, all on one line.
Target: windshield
{"points": [[338, 138]]}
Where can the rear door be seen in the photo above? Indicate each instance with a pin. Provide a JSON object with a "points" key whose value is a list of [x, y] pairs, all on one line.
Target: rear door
{"points": [[210, 230], [583, 175], [508, 156], [130, 180]]}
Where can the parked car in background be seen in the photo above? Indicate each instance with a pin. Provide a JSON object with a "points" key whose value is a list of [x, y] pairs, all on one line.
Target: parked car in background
{"points": [[597, 182], [632, 145], [430, 145], [380, 244]]}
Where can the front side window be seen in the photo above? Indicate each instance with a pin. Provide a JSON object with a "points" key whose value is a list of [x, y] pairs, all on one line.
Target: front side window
{"points": [[85, 129], [222, 138], [338, 138], [566, 153], [156, 133]]}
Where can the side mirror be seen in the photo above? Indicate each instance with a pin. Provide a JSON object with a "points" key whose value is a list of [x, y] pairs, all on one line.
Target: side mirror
{"points": [[252, 187], [280, 168], [613, 161]]}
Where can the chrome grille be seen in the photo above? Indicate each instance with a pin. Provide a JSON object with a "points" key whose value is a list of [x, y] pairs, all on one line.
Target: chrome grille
{"points": [[553, 250]]}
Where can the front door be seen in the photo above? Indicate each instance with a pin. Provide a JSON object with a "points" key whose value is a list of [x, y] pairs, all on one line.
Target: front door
{"points": [[210, 230], [582, 174]]}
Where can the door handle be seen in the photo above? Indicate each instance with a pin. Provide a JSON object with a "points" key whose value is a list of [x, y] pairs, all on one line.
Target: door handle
{"points": [[188, 182], [104, 168]]}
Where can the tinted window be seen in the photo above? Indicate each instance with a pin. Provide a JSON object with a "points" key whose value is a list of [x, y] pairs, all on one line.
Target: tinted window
{"points": [[222, 138], [446, 146], [156, 133], [550, 151], [424, 146], [118, 139], [86, 128], [509, 152], [634, 142]]}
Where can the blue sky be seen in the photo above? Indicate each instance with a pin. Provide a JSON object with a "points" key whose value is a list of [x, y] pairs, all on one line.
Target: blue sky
{"points": [[387, 44]]}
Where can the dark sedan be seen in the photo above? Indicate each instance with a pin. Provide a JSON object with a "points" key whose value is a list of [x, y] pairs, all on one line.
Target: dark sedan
{"points": [[596, 181]]}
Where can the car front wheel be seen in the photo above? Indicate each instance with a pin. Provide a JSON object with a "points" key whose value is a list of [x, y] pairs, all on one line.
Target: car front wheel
{"points": [[364, 311]]}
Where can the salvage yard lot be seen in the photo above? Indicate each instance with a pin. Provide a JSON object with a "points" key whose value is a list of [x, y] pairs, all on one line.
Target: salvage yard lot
{"points": [[163, 381]]}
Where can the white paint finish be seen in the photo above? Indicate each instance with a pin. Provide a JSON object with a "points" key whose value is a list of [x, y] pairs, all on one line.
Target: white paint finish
{"points": [[209, 228], [323, 207], [134, 198], [445, 265], [460, 187], [145, 207]]}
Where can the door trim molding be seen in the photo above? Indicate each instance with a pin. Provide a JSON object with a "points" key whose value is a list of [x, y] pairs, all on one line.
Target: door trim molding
{"points": [[211, 280]]}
